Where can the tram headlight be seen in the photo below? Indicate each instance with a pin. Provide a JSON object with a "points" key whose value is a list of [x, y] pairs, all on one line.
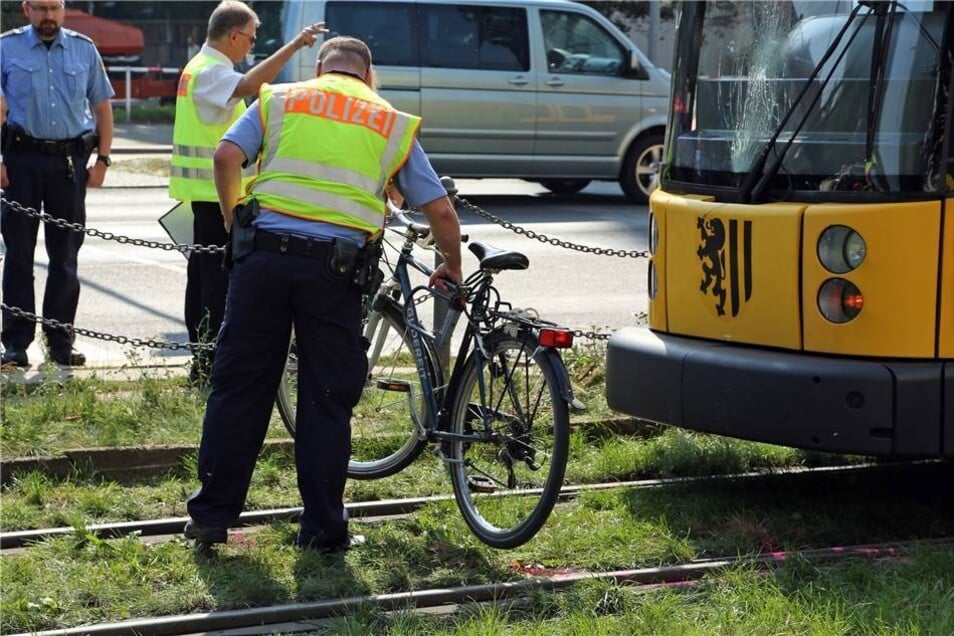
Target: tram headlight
{"points": [[840, 300], [841, 249], [653, 233]]}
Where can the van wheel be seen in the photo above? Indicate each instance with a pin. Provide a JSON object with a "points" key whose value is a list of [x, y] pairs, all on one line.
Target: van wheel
{"points": [[641, 168], [564, 186]]}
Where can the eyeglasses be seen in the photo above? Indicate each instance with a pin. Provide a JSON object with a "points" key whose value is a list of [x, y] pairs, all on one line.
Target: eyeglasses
{"points": [[251, 38], [45, 8]]}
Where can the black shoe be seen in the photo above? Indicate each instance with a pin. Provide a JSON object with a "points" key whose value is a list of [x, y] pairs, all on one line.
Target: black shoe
{"points": [[334, 547], [68, 358], [16, 358], [205, 536]]}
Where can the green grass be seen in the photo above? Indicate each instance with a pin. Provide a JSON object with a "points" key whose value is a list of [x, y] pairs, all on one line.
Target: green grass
{"points": [[33, 500], [145, 113], [51, 417], [81, 579]]}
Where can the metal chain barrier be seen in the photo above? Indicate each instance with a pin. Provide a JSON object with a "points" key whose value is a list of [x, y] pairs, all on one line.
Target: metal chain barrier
{"points": [[109, 236], [543, 238], [216, 249], [123, 340]]}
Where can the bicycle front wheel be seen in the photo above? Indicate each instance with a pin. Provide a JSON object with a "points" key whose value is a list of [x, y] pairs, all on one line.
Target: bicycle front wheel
{"points": [[508, 477], [384, 435]]}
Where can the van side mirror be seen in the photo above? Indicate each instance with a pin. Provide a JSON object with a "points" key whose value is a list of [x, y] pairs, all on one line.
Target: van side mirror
{"points": [[635, 68]]}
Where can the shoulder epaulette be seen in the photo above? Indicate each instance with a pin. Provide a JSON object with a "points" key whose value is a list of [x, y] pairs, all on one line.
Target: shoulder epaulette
{"points": [[79, 35], [16, 31]]}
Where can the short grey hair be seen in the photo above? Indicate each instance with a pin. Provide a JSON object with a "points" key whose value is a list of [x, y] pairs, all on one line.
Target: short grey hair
{"points": [[344, 47], [229, 15]]}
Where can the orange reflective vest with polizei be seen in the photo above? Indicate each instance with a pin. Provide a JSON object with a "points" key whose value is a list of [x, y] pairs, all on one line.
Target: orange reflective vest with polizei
{"points": [[193, 141], [331, 146]]}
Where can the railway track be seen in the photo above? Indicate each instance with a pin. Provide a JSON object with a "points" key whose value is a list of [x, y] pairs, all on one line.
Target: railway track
{"points": [[299, 616], [384, 509]]}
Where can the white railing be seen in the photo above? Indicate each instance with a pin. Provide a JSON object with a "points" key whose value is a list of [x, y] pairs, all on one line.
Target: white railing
{"points": [[129, 70]]}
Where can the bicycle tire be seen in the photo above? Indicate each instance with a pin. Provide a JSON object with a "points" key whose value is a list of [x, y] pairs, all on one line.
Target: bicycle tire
{"points": [[525, 456], [384, 436], [287, 397]]}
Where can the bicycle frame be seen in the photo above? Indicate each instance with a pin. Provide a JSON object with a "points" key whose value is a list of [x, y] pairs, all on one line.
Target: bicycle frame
{"points": [[434, 428]]}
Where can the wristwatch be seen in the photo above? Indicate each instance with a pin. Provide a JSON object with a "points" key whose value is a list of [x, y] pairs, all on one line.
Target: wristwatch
{"points": [[105, 159]]}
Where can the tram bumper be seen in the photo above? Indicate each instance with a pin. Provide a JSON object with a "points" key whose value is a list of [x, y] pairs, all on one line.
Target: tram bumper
{"points": [[869, 407]]}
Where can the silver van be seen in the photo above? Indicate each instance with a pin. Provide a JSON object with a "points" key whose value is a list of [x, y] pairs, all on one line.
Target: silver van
{"points": [[544, 90]]}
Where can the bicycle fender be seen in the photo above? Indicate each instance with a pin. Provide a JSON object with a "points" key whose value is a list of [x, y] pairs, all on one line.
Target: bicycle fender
{"points": [[563, 378]]}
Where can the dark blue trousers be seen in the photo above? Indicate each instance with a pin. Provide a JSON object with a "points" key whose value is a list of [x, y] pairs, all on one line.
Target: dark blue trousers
{"points": [[41, 182], [206, 280], [268, 294]]}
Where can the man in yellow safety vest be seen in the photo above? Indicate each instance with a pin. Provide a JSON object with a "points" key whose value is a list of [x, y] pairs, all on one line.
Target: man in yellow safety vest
{"points": [[327, 150], [209, 101]]}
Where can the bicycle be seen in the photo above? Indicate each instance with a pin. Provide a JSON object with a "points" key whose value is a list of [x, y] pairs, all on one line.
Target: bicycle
{"points": [[500, 421]]}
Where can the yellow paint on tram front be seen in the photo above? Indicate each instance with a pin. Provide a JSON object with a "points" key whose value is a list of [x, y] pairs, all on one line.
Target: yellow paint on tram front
{"points": [[898, 279]]}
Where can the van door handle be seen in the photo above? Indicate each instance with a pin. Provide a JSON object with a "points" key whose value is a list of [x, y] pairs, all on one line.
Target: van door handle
{"points": [[554, 81], [519, 80]]}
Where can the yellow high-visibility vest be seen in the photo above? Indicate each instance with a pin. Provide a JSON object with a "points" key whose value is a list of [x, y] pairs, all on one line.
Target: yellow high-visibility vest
{"points": [[194, 142], [331, 146]]}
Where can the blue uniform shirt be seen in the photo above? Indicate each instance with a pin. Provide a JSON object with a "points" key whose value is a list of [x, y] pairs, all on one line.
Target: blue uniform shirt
{"points": [[416, 179], [49, 91]]}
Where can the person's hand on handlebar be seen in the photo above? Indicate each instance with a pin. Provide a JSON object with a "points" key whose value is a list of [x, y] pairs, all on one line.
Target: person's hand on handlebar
{"points": [[442, 274], [445, 228]]}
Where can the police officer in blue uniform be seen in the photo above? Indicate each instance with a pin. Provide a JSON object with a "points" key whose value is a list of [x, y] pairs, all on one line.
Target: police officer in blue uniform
{"points": [[295, 272], [55, 110]]}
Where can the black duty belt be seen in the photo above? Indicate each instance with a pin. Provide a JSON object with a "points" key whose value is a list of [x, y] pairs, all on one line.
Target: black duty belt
{"points": [[19, 141], [294, 245]]}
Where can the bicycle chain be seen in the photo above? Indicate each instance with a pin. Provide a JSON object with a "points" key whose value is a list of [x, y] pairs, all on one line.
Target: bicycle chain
{"points": [[543, 238], [123, 340], [109, 236]]}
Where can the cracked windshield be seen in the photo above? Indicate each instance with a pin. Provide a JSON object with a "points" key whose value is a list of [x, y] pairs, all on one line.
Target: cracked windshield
{"points": [[809, 96]]}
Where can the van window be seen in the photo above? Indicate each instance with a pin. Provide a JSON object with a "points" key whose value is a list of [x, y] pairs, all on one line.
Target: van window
{"points": [[387, 28], [475, 37], [576, 44]]}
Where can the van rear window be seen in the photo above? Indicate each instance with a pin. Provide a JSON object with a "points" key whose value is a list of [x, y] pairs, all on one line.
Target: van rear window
{"points": [[388, 28]]}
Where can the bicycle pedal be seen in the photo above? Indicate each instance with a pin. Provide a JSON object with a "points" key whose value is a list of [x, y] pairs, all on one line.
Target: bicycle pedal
{"points": [[398, 386], [481, 484]]}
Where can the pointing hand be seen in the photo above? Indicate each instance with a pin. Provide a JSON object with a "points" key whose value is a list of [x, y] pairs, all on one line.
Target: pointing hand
{"points": [[309, 35]]}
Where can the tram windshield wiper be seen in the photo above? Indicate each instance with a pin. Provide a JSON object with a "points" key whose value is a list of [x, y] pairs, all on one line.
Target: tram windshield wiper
{"points": [[758, 176]]}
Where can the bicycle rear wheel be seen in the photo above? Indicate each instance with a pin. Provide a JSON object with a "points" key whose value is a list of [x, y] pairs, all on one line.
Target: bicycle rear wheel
{"points": [[384, 436], [507, 481]]}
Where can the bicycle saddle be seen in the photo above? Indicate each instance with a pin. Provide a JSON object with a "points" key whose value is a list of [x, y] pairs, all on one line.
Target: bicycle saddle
{"points": [[493, 258]]}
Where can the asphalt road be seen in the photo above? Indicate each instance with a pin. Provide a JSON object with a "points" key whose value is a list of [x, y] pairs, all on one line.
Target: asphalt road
{"points": [[137, 292]]}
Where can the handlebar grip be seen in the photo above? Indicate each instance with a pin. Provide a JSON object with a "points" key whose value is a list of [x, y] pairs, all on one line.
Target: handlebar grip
{"points": [[449, 186]]}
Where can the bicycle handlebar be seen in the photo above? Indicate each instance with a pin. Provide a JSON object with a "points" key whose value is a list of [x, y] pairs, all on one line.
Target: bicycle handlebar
{"points": [[420, 230]]}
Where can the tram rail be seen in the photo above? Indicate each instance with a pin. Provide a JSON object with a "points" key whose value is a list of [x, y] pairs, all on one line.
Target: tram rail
{"points": [[387, 508], [690, 573]]}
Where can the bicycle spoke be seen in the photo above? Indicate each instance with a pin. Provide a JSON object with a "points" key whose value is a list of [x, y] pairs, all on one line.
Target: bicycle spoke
{"points": [[512, 470]]}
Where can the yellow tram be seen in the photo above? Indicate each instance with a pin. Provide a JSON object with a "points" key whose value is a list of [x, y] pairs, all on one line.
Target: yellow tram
{"points": [[801, 281]]}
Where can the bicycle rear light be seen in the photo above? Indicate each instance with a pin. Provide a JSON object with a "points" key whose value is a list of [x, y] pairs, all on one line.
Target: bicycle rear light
{"points": [[556, 338]]}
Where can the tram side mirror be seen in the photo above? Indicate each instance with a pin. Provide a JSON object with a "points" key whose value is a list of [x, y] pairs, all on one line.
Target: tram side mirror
{"points": [[449, 185]]}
